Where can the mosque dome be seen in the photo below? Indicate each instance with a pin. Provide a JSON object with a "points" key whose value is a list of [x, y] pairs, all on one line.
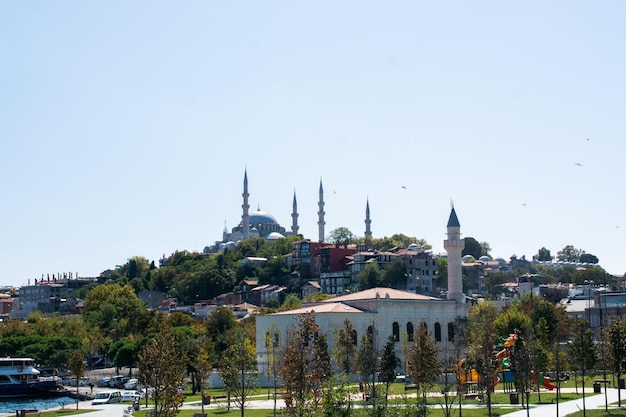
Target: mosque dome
{"points": [[261, 217], [274, 236]]}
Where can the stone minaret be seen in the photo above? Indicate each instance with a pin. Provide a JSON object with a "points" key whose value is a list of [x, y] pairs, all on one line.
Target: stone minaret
{"points": [[245, 217], [454, 246], [294, 215], [321, 223], [368, 222]]}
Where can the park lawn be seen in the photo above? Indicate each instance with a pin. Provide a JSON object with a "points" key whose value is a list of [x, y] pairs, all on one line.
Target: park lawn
{"points": [[66, 412], [616, 412]]}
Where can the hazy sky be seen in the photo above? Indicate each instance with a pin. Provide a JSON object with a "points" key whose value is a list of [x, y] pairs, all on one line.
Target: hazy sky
{"points": [[126, 126]]}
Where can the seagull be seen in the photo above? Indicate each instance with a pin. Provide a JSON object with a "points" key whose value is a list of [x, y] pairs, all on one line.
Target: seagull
{"points": [[578, 164], [404, 186], [523, 204]]}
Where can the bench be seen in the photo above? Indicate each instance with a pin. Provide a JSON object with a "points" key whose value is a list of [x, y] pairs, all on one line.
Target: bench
{"points": [[22, 413], [408, 387], [473, 396]]}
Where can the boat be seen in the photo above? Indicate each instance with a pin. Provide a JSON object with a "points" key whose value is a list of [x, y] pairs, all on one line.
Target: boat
{"points": [[19, 378]]}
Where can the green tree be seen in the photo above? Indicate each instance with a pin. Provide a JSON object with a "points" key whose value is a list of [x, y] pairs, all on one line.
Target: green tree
{"points": [[569, 254], [124, 353], [473, 248], [493, 283], [292, 301], [219, 323], [481, 346], [162, 366], [394, 274], [581, 350], [298, 369], [588, 258], [238, 367], [615, 335], [423, 365], [367, 363], [519, 358], [77, 368], [543, 255], [345, 351], [388, 364], [370, 276], [341, 236]]}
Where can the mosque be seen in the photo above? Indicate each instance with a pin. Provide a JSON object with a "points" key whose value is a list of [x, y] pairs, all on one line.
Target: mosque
{"points": [[262, 224]]}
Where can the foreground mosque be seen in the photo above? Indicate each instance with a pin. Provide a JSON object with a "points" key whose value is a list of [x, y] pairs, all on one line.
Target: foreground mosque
{"points": [[382, 312]]}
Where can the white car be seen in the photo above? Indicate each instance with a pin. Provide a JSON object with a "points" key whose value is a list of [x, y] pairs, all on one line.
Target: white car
{"points": [[131, 396], [107, 397], [131, 383]]}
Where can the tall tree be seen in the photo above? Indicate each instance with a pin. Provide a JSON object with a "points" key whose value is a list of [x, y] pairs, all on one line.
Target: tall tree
{"points": [[238, 367], [370, 276], [569, 254], [219, 323], [473, 248], [341, 236], [162, 366], [77, 369], [482, 337], [304, 365], [367, 364], [543, 255], [615, 335], [345, 351], [424, 366], [389, 362], [582, 351]]}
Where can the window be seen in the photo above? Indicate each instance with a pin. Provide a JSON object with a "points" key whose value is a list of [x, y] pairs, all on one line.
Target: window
{"points": [[409, 331], [437, 332], [450, 332], [395, 327]]}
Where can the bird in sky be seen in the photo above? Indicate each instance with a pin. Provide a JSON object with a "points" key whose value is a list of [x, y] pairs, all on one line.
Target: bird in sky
{"points": [[404, 186], [578, 164]]}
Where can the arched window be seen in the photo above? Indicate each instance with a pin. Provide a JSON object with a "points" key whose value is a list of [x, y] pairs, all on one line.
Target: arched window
{"points": [[450, 332], [409, 331], [370, 333], [354, 338], [437, 332], [395, 329], [424, 326]]}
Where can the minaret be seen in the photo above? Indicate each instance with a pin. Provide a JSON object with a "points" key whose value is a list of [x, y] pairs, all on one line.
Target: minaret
{"points": [[294, 215], [321, 223], [454, 246], [368, 222], [245, 217]]}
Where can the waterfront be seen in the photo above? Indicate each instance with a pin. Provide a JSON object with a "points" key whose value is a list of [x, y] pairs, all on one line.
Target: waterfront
{"points": [[44, 403]]}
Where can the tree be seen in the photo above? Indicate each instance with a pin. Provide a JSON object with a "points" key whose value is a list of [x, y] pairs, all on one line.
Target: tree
{"points": [[292, 301], [473, 248], [388, 364], [493, 283], [367, 364], [161, 366], [370, 276], [238, 367], [423, 366], [615, 335], [569, 254], [481, 346], [219, 323], [394, 274], [543, 255], [341, 236], [345, 352], [519, 358], [588, 258], [124, 353], [304, 365], [77, 368], [581, 350]]}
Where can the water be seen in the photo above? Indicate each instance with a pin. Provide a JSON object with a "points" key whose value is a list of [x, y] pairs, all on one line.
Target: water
{"points": [[10, 405]]}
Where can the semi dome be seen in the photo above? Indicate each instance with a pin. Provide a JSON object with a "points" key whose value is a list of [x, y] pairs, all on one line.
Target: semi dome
{"points": [[274, 236]]}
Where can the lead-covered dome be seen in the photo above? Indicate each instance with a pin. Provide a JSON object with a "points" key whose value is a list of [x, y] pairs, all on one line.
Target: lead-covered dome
{"points": [[261, 217]]}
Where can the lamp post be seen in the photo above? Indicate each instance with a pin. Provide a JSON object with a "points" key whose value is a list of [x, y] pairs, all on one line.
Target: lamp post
{"points": [[589, 283]]}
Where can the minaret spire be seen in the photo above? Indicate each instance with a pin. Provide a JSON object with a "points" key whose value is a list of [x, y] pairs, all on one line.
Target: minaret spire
{"points": [[454, 246], [368, 222], [245, 217], [294, 215], [321, 223]]}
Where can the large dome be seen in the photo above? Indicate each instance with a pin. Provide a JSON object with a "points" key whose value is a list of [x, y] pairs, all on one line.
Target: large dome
{"points": [[261, 217]]}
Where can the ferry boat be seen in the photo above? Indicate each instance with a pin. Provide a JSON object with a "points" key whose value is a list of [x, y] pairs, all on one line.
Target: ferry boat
{"points": [[19, 377]]}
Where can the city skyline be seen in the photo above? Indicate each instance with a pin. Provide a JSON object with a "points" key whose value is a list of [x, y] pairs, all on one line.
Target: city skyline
{"points": [[126, 127]]}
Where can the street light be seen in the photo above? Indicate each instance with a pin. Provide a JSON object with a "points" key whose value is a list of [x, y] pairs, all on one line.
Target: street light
{"points": [[589, 284]]}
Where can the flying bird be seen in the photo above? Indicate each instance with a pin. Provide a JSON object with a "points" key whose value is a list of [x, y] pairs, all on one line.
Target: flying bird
{"points": [[578, 164], [404, 186]]}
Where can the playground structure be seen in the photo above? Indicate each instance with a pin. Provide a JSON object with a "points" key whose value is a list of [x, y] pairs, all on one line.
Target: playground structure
{"points": [[469, 378]]}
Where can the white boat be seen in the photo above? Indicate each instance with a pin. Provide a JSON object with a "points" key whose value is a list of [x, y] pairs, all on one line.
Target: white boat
{"points": [[19, 378]]}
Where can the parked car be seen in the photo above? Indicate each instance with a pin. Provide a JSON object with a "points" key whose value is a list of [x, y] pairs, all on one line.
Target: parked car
{"points": [[103, 382], [131, 384], [115, 381], [107, 397], [131, 396]]}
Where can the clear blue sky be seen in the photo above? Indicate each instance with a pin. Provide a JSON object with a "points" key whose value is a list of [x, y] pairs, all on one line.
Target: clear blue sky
{"points": [[126, 126]]}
